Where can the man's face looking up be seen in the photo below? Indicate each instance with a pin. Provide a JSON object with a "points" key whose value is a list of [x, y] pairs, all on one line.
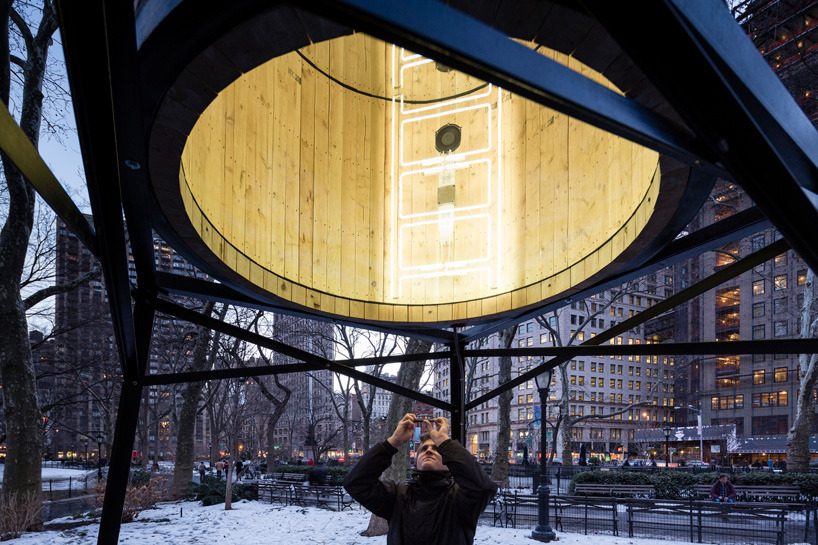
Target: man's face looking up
{"points": [[428, 458]]}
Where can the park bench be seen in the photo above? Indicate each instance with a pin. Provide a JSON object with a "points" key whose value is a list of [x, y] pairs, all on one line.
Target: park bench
{"points": [[615, 490], [291, 478], [508, 507], [276, 492], [330, 497], [756, 493]]}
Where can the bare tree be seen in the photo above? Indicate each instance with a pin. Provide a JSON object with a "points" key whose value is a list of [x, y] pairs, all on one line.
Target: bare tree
{"points": [[204, 353], [23, 418], [798, 452], [499, 469], [567, 421]]}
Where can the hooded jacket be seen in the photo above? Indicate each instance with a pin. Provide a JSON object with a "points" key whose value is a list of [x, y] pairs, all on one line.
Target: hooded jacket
{"points": [[727, 490], [433, 507]]}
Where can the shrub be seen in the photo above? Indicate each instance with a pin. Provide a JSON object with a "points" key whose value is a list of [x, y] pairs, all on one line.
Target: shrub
{"points": [[212, 491], [679, 484], [18, 513], [335, 474], [140, 495]]}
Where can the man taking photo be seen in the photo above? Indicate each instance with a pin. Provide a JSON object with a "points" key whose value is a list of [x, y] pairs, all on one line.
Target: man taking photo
{"points": [[442, 501]]}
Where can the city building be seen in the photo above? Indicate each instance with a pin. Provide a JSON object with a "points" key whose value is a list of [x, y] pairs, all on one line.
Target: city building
{"points": [[78, 390], [754, 393], [641, 386], [310, 423]]}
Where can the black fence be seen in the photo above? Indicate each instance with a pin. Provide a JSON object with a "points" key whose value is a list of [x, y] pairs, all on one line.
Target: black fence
{"points": [[692, 520]]}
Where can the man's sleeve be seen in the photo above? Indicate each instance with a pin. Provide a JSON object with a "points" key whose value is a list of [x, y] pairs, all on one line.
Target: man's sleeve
{"points": [[731, 491], [363, 480], [714, 492], [476, 488]]}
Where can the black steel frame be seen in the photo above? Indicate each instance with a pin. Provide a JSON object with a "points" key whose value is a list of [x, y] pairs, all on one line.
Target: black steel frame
{"points": [[756, 135]]}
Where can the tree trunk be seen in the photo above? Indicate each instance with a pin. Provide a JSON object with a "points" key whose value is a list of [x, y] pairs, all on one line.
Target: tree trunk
{"points": [[798, 454], [191, 394], [409, 376], [566, 422], [228, 487], [499, 469], [22, 475]]}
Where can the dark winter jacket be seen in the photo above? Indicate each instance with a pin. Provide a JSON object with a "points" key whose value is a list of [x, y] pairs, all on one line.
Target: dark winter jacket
{"points": [[727, 490], [434, 507]]}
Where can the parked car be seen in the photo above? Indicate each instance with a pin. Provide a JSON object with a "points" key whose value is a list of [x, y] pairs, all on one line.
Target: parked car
{"points": [[696, 463]]}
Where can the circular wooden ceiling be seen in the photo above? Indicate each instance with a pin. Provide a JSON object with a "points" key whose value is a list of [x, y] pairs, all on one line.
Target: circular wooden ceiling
{"points": [[353, 178]]}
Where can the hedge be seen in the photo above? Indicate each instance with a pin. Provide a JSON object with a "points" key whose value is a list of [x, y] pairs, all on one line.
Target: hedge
{"points": [[335, 474], [212, 490], [679, 484]]}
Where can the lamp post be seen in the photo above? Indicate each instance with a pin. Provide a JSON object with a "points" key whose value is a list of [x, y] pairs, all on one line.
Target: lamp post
{"points": [[543, 531], [667, 450], [86, 451], [100, 439]]}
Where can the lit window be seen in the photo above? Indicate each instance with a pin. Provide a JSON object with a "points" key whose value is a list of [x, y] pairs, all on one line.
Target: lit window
{"points": [[758, 287], [780, 374], [780, 282]]}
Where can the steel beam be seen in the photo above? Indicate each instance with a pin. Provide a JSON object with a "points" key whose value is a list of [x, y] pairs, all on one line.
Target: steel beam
{"points": [[769, 346], [716, 235], [440, 32], [82, 27], [19, 149], [457, 391], [727, 273], [194, 317], [713, 75], [131, 155]]}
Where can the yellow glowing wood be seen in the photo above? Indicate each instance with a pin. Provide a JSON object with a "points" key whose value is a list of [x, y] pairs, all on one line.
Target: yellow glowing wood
{"points": [[287, 178]]}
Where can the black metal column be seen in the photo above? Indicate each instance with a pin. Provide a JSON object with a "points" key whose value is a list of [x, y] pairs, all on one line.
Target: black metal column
{"points": [[125, 430], [457, 386]]}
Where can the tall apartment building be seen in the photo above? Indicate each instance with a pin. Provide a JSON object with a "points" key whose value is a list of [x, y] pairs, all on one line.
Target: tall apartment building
{"points": [[597, 386], [756, 393], [85, 368], [310, 416]]}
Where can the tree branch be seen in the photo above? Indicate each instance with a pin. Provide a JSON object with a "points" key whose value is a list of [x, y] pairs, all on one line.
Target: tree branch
{"points": [[14, 59], [57, 289], [21, 25]]}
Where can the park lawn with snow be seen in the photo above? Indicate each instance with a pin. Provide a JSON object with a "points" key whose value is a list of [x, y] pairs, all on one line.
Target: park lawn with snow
{"points": [[59, 477], [256, 523]]}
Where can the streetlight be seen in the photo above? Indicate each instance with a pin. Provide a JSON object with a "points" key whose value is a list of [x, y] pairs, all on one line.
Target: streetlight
{"points": [[666, 429], [86, 451], [100, 439], [701, 431], [543, 531]]}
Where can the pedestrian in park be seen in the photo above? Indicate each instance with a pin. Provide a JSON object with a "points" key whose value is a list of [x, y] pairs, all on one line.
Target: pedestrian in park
{"points": [[317, 475], [770, 463], [442, 501], [202, 470], [219, 468], [723, 490], [239, 465]]}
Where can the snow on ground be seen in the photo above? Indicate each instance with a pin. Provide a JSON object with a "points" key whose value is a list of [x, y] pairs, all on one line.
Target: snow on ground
{"points": [[59, 477], [256, 523]]}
